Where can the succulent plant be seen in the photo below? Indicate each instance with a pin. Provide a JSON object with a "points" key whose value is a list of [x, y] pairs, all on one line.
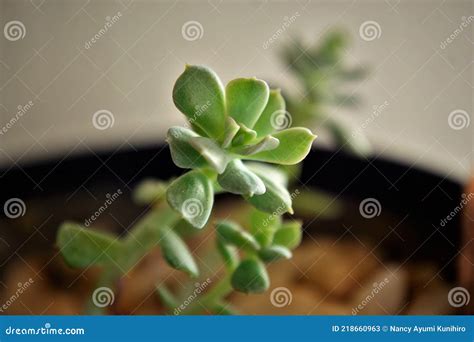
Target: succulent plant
{"points": [[229, 147]]}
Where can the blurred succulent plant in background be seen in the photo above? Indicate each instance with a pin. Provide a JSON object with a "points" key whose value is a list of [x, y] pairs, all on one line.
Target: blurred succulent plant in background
{"points": [[322, 74], [229, 147]]}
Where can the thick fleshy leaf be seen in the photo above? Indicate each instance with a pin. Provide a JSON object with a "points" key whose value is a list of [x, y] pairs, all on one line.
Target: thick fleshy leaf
{"points": [[276, 200], [230, 233], [263, 226], [231, 129], [166, 297], [244, 136], [273, 172], [238, 179], [266, 144], [288, 235], [83, 247], [212, 152], [176, 253], [149, 191], [250, 277], [229, 254], [184, 155], [267, 123], [246, 99], [192, 196], [199, 94], [349, 137], [274, 253], [295, 144]]}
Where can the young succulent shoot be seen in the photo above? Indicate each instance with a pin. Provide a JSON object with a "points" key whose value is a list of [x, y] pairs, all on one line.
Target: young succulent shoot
{"points": [[323, 74], [231, 145]]}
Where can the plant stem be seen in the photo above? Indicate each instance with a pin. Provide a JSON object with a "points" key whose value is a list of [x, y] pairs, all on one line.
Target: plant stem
{"points": [[214, 295]]}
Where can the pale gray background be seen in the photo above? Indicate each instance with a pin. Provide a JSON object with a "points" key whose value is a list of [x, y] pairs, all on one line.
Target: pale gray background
{"points": [[130, 71]]}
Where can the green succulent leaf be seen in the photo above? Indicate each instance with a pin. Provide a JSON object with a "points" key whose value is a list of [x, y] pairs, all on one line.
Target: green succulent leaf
{"points": [[276, 200], [221, 308], [229, 254], [246, 99], [184, 154], [149, 191], [250, 277], [230, 233], [166, 297], [266, 123], [288, 235], [263, 226], [83, 247], [295, 144], [274, 253], [238, 179], [199, 94], [212, 152], [244, 136], [231, 129], [266, 144], [176, 253], [275, 173], [192, 196]]}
